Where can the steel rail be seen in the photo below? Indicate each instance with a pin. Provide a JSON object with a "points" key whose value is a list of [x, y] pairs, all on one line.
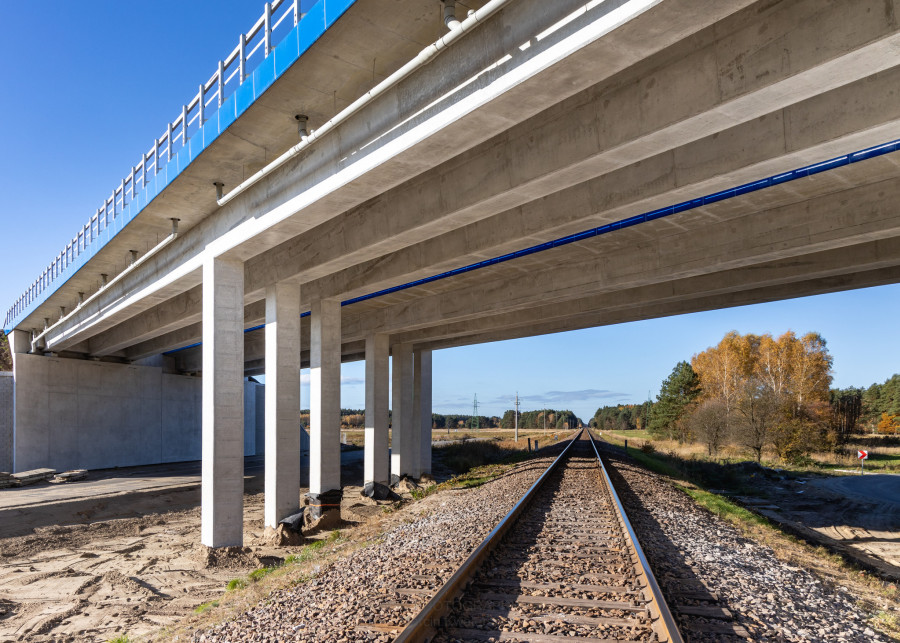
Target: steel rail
{"points": [[665, 627], [424, 624]]}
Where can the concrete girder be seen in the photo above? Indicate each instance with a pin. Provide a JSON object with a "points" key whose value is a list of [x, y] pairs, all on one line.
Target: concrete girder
{"points": [[777, 142], [525, 305], [660, 180], [345, 169], [732, 237], [576, 139], [179, 311], [328, 77], [639, 312], [517, 94], [879, 258], [191, 333], [832, 221]]}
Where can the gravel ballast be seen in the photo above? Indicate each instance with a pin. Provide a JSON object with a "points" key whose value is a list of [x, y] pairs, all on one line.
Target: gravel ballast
{"points": [[771, 599], [359, 597], [387, 582]]}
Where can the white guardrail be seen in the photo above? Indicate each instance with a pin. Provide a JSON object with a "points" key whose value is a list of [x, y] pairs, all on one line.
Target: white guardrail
{"points": [[253, 47]]}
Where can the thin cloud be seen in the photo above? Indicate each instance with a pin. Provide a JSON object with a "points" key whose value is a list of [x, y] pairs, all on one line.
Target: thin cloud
{"points": [[563, 397]]}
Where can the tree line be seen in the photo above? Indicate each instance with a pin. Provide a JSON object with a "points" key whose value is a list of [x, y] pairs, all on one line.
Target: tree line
{"points": [[356, 419], [758, 392], [555, 420], [875, 409], [5, 356], [622, 417]]}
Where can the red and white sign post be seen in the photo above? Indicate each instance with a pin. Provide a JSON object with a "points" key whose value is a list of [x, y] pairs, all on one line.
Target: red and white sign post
{"points": [[862, 455]]}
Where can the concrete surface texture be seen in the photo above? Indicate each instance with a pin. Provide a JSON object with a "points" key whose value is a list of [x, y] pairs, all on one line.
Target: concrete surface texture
{"points": [[84, 414], [6, 421], [540, 120]]}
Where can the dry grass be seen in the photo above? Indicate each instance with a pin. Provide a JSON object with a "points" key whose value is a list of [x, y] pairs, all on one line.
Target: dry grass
{"points": [[357, 437], [884, 453], [464, 456]]}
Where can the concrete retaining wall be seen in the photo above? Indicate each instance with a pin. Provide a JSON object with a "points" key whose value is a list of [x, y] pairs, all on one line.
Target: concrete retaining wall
{"points": [[81, 414], [6, 421]]}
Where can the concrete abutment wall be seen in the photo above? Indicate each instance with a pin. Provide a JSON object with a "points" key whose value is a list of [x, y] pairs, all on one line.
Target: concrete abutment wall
{"points": [[6, 421], [95, 415]]}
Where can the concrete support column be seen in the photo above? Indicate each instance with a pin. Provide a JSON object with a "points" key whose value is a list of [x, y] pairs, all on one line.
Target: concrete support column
{"points": [[423, 387], [325, 396], [19, 343], [282, 497], [403, 442], [377, 467], [415, 430], [222, 511]]}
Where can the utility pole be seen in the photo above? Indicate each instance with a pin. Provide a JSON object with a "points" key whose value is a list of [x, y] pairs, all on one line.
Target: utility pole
{"points": [[475, 412], [517, 416]]}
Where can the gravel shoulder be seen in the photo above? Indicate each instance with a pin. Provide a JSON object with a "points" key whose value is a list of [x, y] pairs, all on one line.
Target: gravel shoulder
{"points": [[368, 594], [773, 599], [372, 592]]}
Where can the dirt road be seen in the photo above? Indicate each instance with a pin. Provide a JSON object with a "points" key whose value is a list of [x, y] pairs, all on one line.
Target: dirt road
{"points": [[859, 515]]}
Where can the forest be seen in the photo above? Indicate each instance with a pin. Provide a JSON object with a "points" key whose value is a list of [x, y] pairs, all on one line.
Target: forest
{"points": [[760, 392], [5, 357], [555, 420]]}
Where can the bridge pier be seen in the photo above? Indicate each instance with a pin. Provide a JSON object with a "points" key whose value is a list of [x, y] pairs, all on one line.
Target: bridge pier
{"points": [[376, 465], [282, 417], [404, 446], [222, 510], [423, 407], [325, 397]]}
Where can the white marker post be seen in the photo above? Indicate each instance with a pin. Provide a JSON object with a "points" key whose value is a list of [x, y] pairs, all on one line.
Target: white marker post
{"points": [[862, 455]]}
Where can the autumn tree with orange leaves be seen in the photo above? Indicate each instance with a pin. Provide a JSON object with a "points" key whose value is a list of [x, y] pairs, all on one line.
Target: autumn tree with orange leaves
{"points": [[771, 391]]}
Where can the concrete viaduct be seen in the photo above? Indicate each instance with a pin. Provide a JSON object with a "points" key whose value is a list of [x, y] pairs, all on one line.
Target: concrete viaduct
{"points": [[399, 177]]}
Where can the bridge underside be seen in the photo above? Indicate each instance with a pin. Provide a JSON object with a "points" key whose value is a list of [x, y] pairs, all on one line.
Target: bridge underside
{"points": [[545, 120]]}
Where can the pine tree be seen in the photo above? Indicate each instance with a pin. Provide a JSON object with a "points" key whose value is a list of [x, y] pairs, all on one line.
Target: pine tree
{"points": [[678, 390], [5, 356]]}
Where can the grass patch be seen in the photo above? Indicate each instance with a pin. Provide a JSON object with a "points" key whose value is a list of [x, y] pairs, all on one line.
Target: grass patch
{"points": [[205, 607], [236, 583], [311, 550], [471, 483], [724, 508], [888, 622], [423, 492], [122, 638], [259, 574]]}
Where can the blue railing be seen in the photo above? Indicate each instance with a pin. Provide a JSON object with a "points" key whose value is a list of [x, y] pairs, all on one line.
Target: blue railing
{"points": [[240, 78]]}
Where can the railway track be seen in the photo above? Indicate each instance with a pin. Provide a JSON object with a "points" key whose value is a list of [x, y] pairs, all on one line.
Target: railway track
{"points": [[564, 564]]}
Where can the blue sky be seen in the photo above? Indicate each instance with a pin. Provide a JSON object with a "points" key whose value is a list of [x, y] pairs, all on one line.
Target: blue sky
{"points": [[76, 115]]}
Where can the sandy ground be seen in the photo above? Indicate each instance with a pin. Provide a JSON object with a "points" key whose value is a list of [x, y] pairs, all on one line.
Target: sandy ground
{"points": [[90, 575], [858, 515]]}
